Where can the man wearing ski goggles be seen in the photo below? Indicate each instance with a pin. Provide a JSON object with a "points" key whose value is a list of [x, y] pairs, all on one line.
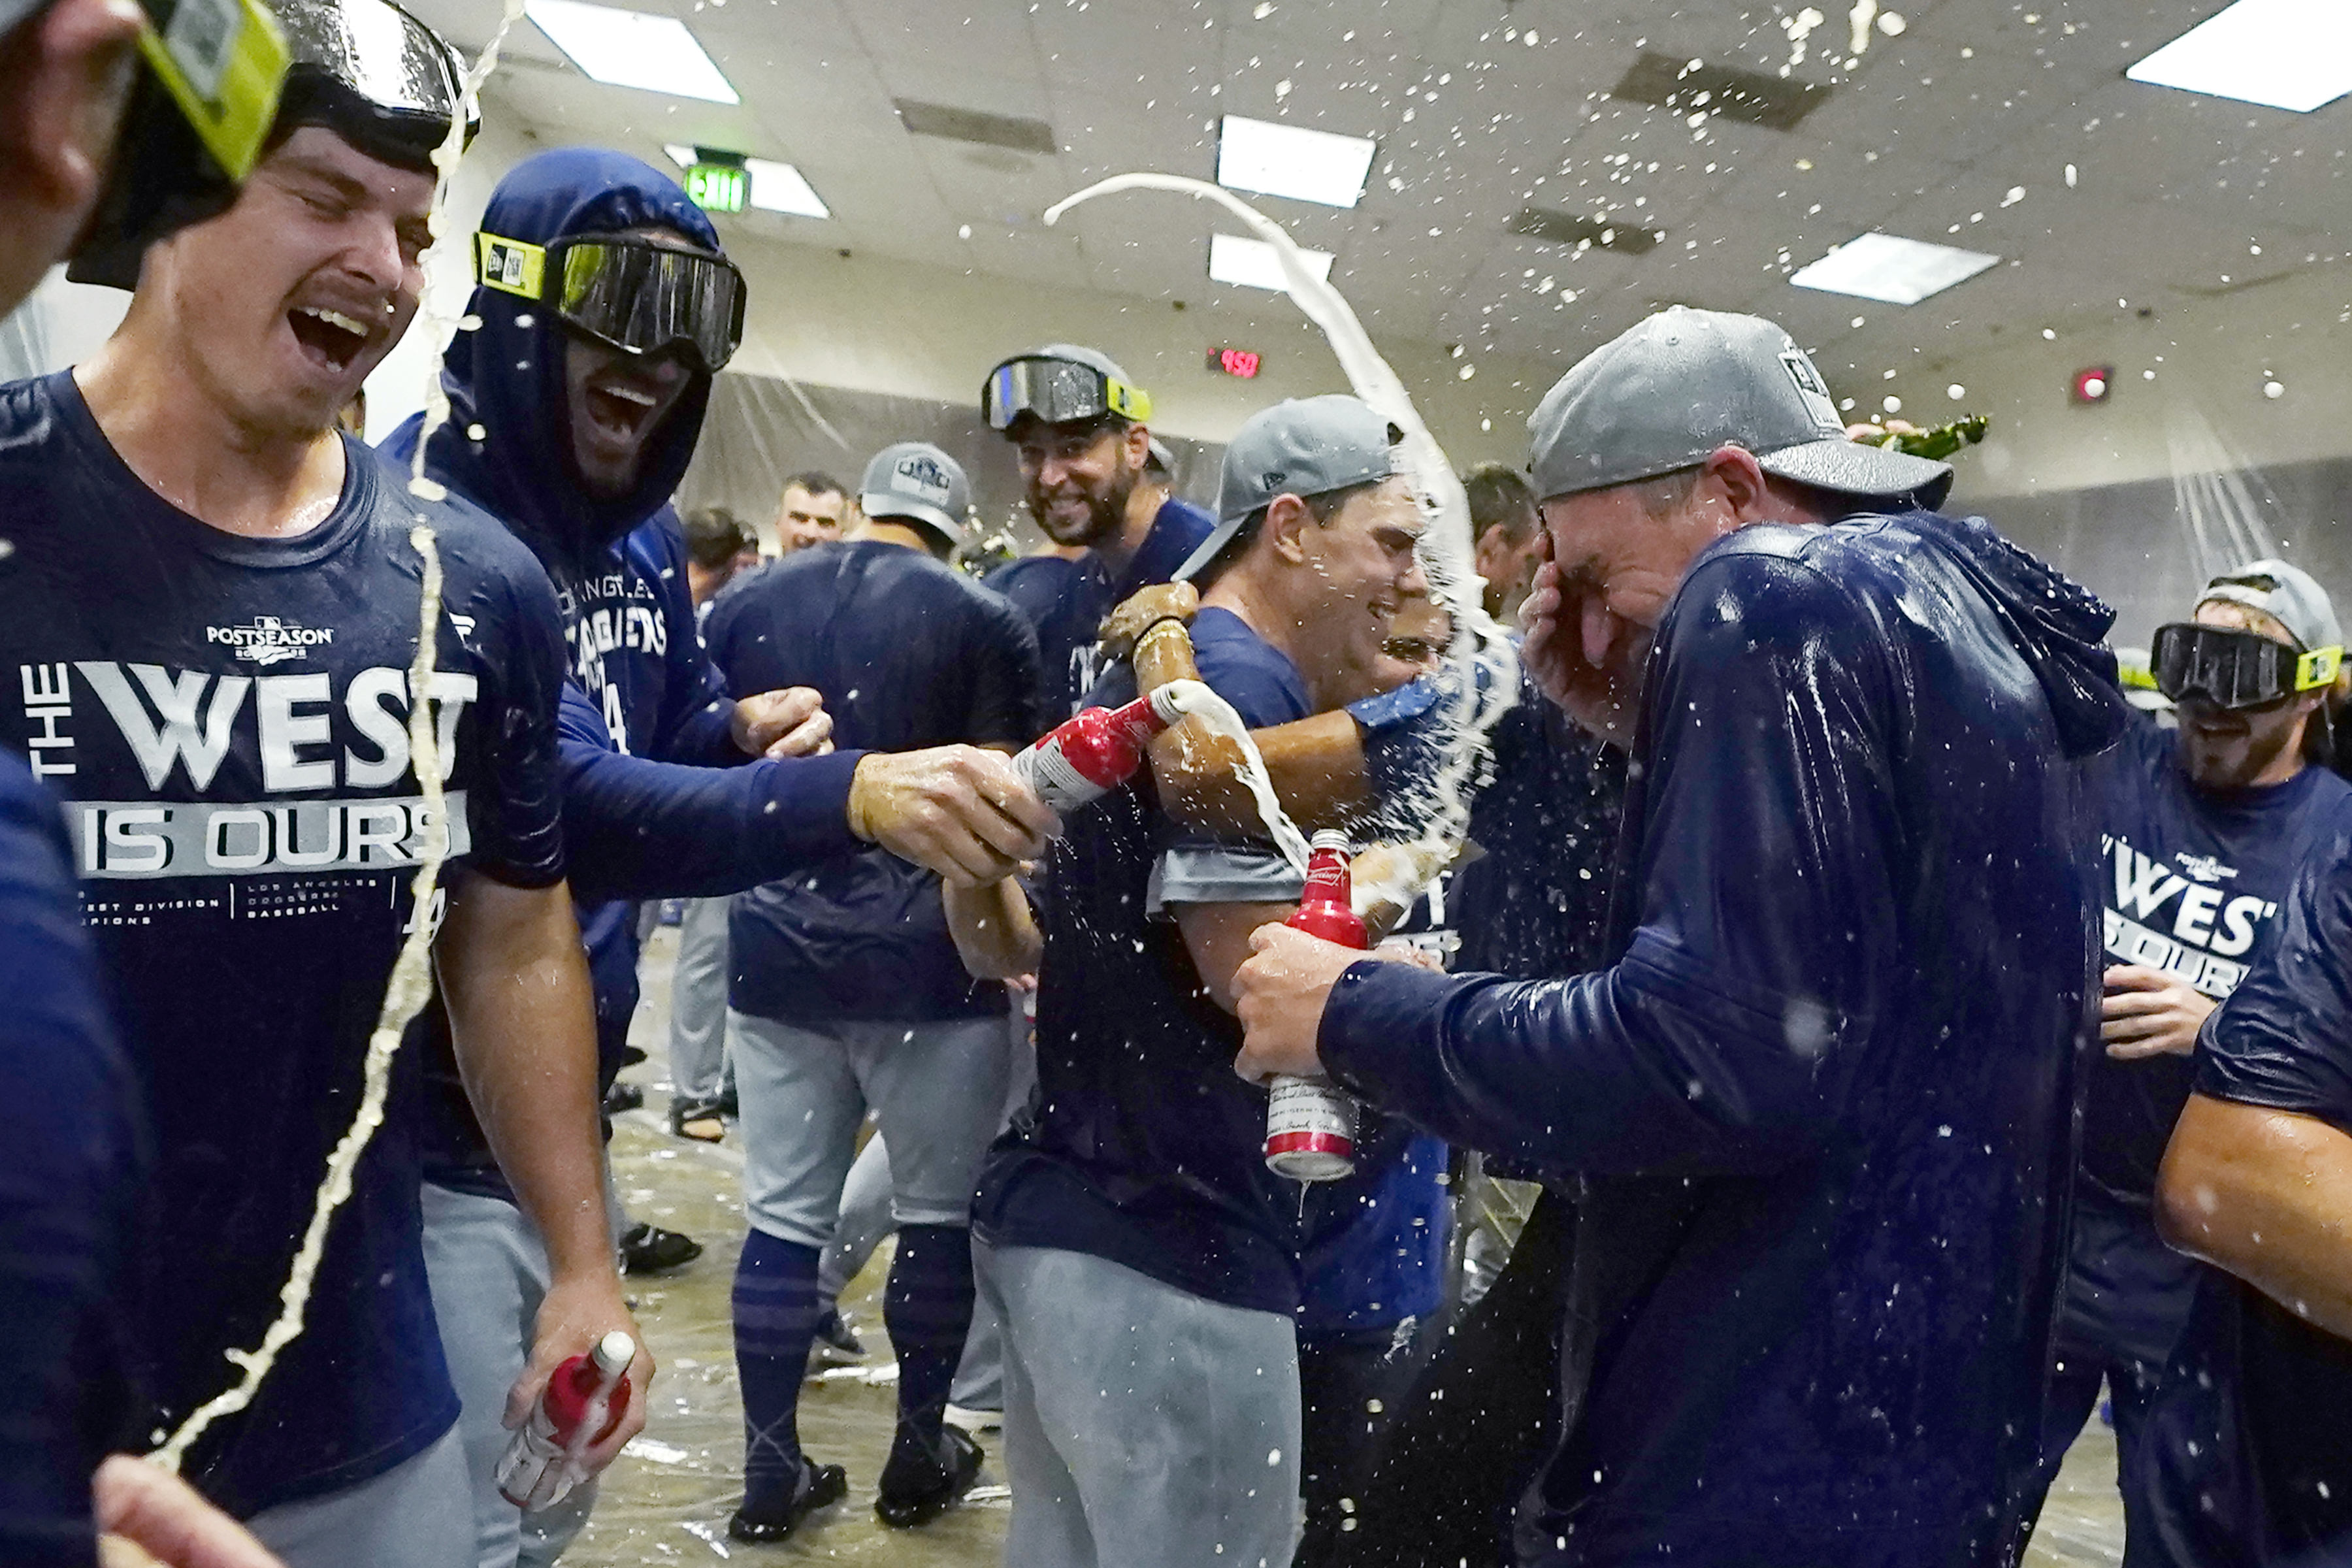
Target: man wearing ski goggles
{"points": [[2202, 831], [645, 295], [1082, 430]]}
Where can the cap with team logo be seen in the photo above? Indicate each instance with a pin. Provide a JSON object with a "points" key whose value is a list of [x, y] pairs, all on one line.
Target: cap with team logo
{"points": [[916, 482], [1677, 386], [1300, 447], [2287, 594]]}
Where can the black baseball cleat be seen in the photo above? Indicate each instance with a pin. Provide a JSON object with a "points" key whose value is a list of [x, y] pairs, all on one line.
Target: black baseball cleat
{"points": [[649, 1249], [918, 1486], [822, 1486]]}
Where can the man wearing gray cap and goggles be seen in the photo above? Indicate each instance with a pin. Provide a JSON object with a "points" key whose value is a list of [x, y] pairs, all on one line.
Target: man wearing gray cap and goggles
{"points": [[1082, 431], [2202, 829], [1822, 1099]]}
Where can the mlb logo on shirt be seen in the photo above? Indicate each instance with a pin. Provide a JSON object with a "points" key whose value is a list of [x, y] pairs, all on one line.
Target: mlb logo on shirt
{"points": [[918, 474]]}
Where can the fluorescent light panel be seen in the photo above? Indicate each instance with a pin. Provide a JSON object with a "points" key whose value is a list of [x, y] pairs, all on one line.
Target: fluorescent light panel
{"points": [[630, 48], [1892, 270], [775, 187], [1254, 263], [1292, 161], [2285, 54]]}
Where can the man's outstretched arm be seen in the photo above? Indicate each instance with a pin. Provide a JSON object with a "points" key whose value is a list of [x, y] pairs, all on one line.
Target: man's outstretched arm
{"points": [[1726, 1037]]}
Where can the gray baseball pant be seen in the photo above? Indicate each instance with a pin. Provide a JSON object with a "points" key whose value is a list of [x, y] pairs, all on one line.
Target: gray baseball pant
{"points": [[1144, 1426]]}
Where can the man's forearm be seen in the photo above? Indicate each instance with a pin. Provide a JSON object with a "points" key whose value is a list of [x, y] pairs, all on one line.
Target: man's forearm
{"points": [[994, 931], [1316, 764], [515, 981], [2266, 1195]]}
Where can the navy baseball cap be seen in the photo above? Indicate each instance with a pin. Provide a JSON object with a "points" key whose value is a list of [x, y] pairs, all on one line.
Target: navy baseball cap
{"points": [[1672, 389], [1300, 447], [916, 482]]}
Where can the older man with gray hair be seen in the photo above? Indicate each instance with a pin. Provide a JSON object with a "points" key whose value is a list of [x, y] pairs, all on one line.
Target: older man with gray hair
{"points": [[1822, 1099]]}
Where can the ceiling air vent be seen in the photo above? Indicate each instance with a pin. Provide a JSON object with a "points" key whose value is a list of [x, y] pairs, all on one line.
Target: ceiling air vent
{"points": [[1671, 82], [1605, 233], [971, 125]]}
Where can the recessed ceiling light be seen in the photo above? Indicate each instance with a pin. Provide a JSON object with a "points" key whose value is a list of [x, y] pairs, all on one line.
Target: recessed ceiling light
{"points": [[775, 187], [1292, 161], [1890, 269], [630, 48], [1254, 263], [2287, 54]]}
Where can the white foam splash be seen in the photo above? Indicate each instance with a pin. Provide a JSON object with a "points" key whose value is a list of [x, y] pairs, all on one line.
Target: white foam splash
{"points": [[404, 998], [1483, 664], [1195, 699]]}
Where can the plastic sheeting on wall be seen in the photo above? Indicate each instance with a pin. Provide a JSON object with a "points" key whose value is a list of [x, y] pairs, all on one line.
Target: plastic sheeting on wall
{"points": [[761, 429]]}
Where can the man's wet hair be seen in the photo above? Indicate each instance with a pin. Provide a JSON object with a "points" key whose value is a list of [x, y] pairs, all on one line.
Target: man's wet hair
{"points": [[715, 536], [816, 482], [1500, 496]]}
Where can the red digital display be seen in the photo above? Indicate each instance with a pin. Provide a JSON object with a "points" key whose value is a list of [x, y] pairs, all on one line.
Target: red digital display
{"points": [[1242, 363]]}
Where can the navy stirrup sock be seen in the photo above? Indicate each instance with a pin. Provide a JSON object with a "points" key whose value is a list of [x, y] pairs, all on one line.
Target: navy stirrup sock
{"points": [[775, 1321], [927, 1309]]}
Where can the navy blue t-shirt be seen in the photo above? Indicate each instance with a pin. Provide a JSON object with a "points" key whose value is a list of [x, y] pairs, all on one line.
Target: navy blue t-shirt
{"points": [[1066, 600], [2248, 1453], [228, 718], [1141, 1145], [909, 653], [71, 1166], [2190, 882]]}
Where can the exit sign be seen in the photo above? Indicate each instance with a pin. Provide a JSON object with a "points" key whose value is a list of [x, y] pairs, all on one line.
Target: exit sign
{"points": [[1242, 362], [719, 187]]}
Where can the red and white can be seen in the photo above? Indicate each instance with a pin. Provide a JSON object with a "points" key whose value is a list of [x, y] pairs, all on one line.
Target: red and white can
{"points": [[1094, 752], [1310, 1122]]}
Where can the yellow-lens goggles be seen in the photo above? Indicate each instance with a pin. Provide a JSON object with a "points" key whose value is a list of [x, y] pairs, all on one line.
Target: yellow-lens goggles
{"points": [[223, 62]]}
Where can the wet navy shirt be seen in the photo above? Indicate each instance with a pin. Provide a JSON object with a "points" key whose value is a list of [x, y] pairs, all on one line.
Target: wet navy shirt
{"points": [[909, 653], [228, 718], [1066, 600], [2191, 881], [2248, 1453], [70, 1178], [1141, 1145]]}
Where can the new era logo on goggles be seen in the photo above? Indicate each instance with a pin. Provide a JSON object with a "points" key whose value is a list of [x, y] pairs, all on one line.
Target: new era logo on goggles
{"points": [[1058, 390], [2236, 669], [634, 295]]}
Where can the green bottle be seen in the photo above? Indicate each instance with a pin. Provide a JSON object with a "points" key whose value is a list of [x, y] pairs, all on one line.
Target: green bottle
{"points": [[1939, 441]]}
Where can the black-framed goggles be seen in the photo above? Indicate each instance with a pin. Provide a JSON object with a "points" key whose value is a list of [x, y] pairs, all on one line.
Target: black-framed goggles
{"points": [[2236, 669], [1057, 392], [632, 294]]}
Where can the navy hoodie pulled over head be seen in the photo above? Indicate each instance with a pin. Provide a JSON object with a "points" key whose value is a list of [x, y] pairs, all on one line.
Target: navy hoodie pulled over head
{"points": [[657, 799], [1823, 1103]]}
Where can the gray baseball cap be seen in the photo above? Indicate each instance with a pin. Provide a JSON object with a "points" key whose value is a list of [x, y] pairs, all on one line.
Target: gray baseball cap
{"points": [[1674, 388], [2288, 594], [1300, 447], [916, 482]]}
